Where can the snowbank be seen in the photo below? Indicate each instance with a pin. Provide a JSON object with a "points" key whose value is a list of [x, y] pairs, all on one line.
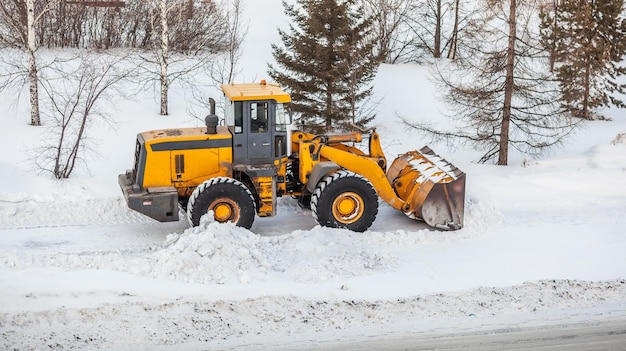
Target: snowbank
{"points": [[200, 324]]}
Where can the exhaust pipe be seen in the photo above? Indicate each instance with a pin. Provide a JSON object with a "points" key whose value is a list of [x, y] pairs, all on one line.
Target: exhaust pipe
{"points": [[212, 106], [211, 120]]}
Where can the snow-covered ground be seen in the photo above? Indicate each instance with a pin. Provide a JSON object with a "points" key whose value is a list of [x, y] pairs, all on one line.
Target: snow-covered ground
{"points": [[543, 242]]}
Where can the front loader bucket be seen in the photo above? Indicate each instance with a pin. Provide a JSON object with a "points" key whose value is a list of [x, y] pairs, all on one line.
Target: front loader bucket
{"points": [[433, 188]]}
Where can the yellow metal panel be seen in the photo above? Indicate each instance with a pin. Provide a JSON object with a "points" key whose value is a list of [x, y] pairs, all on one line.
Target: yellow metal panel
{"points": [[157, 171], [297, 137], [281, 187], [348, 148], [199, 163], [255, 91], [181, 134], [306, 159], [266, 191], [205, 156]]}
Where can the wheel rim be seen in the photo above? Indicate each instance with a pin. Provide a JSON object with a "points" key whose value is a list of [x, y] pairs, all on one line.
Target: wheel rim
{"points": [[224, 210], [348, 207]]}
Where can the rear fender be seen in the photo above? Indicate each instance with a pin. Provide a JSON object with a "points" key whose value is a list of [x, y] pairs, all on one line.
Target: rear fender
{"points": [[319, 171]]}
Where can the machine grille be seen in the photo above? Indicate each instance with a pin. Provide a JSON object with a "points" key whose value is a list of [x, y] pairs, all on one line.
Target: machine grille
{"points": [[136, 164], [180, 163]]}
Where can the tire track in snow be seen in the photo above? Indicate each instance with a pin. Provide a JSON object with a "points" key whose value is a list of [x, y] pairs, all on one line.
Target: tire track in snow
{"points": [[34, 213]]}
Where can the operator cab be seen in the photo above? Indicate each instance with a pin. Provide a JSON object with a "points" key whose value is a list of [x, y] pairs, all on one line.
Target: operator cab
{"points": [[256, 117]]}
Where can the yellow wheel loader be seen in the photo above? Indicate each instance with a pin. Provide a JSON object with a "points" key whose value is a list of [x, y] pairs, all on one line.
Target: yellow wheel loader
{"points": [[238, 169]]}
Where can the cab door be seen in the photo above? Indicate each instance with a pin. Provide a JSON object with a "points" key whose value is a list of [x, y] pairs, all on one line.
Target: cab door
{"points": [[260, 116], [259, 130]]}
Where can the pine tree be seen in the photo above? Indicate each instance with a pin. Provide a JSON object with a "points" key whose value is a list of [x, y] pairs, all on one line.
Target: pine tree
{"points": [[589, 41], [327, 63]]}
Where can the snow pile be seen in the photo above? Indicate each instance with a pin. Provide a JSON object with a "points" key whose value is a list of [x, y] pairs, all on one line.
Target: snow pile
{"points": [[215, 253], [211, 253], [604, 156], [481, 214]]}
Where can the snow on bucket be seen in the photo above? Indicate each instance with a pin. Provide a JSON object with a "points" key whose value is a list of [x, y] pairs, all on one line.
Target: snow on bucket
{"points": [[434, 188]]}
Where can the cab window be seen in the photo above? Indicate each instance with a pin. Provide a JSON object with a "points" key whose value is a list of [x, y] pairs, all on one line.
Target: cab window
{"points": [[281, 118], [234, 115], [259, 117]]}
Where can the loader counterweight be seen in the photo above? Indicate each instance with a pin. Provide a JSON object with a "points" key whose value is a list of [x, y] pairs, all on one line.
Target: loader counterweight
{"points": [[160, 203]]}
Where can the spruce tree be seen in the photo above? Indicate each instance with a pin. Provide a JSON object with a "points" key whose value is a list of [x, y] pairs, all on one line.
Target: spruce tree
{"points": [[589, 41], [326, 63]]}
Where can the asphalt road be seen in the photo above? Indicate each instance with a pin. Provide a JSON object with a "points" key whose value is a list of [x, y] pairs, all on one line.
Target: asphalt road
{"points": [[591, 336]]}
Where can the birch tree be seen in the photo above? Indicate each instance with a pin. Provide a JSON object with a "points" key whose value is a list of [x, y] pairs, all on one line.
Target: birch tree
{"points": [[194, 29], [161, 48], [20, 19], [236, 30], [31, 47], [225, 67]]}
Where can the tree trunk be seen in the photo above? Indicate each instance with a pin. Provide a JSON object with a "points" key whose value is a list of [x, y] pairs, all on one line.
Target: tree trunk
{"points": [[455, 32], [164, 56], [35, 119], [329, 107], [554, 30], [437, 46], [234, 40], [587, 91], [503, 152], [588, 61]]}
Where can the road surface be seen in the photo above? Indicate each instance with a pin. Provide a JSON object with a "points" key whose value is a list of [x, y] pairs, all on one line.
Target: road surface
{"points": [[590, 336]]}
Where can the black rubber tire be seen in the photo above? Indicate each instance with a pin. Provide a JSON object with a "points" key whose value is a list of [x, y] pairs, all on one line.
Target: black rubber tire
{"points": [[345, 185], [224, 191], [304, 201]]}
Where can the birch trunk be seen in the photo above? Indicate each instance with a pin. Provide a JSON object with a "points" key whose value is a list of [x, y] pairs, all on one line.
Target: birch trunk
{"points": [[164, 56], [35, 119]]}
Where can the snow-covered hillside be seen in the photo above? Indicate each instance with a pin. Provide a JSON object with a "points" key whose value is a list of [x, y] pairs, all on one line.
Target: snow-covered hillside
{"points": [[543, 242]]}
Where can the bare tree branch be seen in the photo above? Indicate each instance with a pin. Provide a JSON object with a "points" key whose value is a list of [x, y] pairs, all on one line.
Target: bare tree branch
{"points": [[76, 96]]}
